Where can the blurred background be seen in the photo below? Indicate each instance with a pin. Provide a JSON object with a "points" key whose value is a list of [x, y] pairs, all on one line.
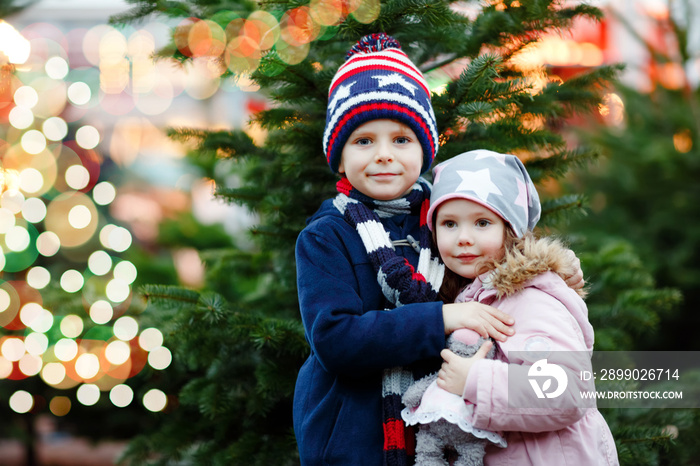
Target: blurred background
{"points": [[96, 198]]}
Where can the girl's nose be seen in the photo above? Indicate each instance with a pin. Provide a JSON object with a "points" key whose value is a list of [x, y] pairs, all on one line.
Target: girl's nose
{"points": [[464, 238]]}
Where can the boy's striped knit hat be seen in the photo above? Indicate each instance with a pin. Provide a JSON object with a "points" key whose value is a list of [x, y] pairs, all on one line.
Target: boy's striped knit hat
{"points": [[378, 81]]}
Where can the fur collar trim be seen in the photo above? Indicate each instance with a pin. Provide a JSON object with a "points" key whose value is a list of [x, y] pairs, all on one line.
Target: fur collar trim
{"points": [[534, 257]]}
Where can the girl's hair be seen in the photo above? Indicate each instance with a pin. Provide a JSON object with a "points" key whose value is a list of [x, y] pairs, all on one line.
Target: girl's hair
{"points": [[453, 284]]}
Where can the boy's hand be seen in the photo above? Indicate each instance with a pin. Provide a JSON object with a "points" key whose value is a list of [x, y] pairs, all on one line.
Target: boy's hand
{"points": [[455, 369], [485, 320], [575, 281]]}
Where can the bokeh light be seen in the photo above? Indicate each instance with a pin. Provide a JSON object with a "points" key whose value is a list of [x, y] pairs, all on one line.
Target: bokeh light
{"points": [[160, 358], [101, 312], [21, 401], [121, 395], [88, 394], [155, 400], [38, 277], [126, 328]]}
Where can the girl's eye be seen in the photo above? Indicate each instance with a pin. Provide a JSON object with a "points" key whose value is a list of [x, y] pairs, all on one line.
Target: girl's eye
{"points": [[483, 223], [449, 224]]}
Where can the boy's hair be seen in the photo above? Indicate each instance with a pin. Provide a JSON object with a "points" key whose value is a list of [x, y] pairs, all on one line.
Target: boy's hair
{"points": [[378, 81]]}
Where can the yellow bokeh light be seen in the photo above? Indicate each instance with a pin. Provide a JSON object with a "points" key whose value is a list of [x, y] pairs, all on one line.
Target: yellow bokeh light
{"points": [[87, 366], [60, 405], [53, 373], [72, 326], [7, 220], [58, 211], [13, 45], [5, 368]]}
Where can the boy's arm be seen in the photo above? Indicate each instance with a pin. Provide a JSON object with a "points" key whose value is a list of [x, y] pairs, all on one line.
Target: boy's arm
{"points": [[346, 337]]}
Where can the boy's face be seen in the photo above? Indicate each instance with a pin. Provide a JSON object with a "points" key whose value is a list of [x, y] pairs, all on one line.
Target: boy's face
{"points": [[467, 234], [382, 159]]}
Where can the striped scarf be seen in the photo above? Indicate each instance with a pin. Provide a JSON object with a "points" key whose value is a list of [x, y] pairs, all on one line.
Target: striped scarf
{"points": [[400, 283]]}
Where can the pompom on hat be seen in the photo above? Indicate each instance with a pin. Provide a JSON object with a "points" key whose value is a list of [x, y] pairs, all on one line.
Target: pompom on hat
{"points": [[378, 81], [499, 182]]}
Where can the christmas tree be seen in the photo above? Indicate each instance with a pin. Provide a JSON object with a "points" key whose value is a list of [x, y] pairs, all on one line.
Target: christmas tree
{"points": [[238, 342]]}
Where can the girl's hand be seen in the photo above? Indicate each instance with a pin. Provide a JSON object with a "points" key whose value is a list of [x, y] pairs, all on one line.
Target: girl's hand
{"points": [[485, 320], [455, 369]]}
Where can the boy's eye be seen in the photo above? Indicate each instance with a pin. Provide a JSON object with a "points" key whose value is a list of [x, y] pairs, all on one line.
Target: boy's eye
{"points": [[363, 141], [402, 140]]}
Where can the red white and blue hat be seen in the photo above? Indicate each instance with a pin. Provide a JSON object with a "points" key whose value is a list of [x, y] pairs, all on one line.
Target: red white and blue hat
{"points": [[378, 81]]}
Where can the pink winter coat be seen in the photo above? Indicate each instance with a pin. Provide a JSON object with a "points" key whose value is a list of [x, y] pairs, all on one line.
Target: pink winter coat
{"points": [[549, 316]]}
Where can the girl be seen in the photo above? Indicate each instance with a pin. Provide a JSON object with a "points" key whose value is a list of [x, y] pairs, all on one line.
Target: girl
{"points": [[482, 210]]}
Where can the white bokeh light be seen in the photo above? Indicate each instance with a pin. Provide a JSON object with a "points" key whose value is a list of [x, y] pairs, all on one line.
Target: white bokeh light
{"points": [[38, 277], [117, 352], [99, 263], [56, 68], [121, 395], [79, 217], [77, 177], [88, 394], [72, 281], [160, 358], [126, 328], [34, 210], [48, 243], [79, 93], [150, 339], [104, 193], [101, 312], [87, 366], [53, 373], [155, 400], [21, 401], [87, 137], [33, 141], [55, 128]]}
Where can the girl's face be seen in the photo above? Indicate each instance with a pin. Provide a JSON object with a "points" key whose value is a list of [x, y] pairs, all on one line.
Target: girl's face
{"points": [[382, 159], [468, 234]]}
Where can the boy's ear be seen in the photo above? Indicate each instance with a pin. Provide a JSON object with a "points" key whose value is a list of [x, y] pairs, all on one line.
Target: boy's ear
{"points": [[341, 168]]}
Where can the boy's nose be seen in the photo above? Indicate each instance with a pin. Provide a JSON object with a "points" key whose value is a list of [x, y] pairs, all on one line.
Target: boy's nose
{"points": [[383, 154]]}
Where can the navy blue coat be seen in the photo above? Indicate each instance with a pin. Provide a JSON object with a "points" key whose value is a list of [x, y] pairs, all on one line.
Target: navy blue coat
{"points": [[337, 401]]}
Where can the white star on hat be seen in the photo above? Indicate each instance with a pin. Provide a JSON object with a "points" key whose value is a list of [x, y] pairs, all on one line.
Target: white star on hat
{"points": [[395, 78], [479, 182], [482, 154]]}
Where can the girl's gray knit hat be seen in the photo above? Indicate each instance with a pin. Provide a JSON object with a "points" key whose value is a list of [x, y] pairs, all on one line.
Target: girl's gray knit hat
{"points": [[499, 182]]}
